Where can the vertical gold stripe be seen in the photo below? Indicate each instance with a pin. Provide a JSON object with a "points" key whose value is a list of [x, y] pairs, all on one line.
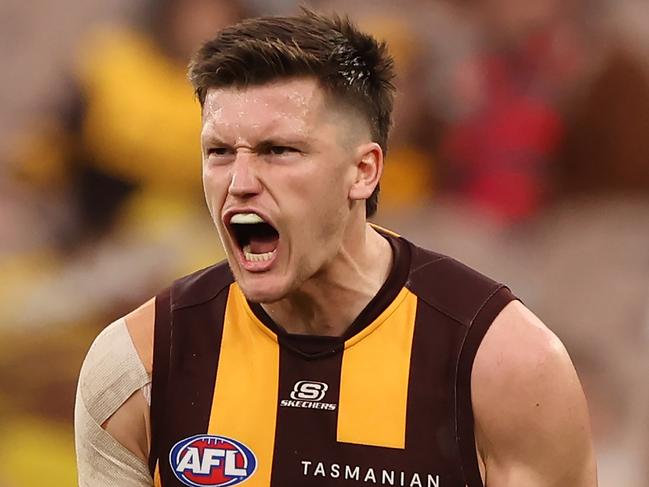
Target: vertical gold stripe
{"points": [[374, 378], [156, 476], [245, 396]]}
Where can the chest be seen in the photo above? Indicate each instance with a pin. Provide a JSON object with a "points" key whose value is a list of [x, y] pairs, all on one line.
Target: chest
{"points": [[247, 405]]}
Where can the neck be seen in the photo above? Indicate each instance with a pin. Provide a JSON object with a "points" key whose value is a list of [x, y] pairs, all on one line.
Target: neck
{"points": [[350, 281]]}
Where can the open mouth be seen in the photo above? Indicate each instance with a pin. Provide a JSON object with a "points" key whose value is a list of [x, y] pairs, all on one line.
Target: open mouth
{"points": [[256, 238]]}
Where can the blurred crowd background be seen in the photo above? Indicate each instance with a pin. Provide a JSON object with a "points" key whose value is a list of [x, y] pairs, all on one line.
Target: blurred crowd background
{"points": [[521, 147]]}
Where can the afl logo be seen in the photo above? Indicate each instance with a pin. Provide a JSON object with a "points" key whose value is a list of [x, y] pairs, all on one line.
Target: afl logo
{"points": [[212, 461]]}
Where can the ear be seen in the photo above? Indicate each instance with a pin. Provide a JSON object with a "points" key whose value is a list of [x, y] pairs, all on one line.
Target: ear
{"points": [[369, 167]]}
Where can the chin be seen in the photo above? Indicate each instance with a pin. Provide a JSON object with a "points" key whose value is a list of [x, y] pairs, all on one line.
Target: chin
{"points": [[262, 289]]}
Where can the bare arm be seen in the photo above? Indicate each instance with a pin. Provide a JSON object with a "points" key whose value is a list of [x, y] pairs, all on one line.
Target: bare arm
{"points": [[532, 423], [112, 426], [131, 424]]}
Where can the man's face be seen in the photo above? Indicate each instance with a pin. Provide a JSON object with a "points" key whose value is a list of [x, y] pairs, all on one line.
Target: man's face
{"points": [[278, 165]]}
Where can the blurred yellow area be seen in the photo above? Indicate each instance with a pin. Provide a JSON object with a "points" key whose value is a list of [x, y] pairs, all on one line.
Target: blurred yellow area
{"points": [[407, 179], [37, 386], [142, 123], [36, 452]]}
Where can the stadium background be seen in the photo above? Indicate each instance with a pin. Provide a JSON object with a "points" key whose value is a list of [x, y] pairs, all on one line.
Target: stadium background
{"points": [[521, 147]]}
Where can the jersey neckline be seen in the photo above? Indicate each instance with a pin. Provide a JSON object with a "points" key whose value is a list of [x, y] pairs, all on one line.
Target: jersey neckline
{"points": [[318, 346]]}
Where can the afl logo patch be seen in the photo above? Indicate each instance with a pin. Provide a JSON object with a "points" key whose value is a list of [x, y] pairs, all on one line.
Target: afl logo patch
{"points": [[212, 461]]}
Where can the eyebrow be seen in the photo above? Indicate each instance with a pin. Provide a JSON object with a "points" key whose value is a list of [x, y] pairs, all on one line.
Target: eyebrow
{"points": [[211, 140], [208, 139]]}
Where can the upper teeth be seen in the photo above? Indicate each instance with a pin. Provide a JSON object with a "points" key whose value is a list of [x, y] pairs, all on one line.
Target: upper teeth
{"points": [[246, 218]]}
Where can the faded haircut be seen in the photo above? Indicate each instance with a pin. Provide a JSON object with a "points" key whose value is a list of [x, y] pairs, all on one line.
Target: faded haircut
{"points": [[352, 67]]}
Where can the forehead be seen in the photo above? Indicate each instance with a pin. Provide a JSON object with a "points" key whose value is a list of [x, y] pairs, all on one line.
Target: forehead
{"points": [[295, 105]]}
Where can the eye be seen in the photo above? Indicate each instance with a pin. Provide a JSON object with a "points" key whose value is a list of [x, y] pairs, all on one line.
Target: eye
{"points": [[279, 150], [218, 151]]}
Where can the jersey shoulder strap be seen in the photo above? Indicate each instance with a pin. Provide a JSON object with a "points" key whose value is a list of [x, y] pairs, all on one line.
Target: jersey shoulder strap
{"points": [[449, 286], [192, 290], [473, 301]]}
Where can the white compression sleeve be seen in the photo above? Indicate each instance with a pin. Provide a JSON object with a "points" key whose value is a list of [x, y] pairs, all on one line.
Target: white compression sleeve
{"points": [[111, 373]]}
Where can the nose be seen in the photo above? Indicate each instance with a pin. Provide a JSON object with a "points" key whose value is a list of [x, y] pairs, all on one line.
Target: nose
{"points": [[244, 182]]}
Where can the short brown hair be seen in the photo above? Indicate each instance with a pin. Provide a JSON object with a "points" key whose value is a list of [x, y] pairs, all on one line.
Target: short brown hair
{"points": [[351, 66]]}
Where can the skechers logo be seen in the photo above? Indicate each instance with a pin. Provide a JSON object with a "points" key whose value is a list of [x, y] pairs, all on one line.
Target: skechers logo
{"points": [[307, 394], [212, 461], [306, 390]]}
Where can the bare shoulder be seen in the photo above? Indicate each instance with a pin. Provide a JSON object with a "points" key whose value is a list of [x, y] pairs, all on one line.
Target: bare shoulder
{"points": [[517, 346], [532, 424]]}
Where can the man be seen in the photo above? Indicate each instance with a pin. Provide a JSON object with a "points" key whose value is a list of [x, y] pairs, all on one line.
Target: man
{"points": [[326, 351]]}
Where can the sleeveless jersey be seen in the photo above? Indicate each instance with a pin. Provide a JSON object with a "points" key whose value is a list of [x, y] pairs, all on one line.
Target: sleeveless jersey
{"points": [[235, 398]]}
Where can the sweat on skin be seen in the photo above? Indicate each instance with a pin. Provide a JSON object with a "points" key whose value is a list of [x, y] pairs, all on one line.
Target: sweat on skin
{"points": [[305, 165]]}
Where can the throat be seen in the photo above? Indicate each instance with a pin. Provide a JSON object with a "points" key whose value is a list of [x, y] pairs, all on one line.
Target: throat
{"points": [[346, 299], [312, 313]]}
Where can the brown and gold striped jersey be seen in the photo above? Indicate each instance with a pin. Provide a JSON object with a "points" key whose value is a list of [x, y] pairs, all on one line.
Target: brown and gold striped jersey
{"points": [[236, 399]]}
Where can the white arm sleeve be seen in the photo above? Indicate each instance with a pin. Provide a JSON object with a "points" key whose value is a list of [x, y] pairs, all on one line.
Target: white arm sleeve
{"points": [[111, 373]]}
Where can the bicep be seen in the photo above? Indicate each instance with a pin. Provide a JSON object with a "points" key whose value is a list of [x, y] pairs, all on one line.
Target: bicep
{"points": [[532, 422], [111, 413]]}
